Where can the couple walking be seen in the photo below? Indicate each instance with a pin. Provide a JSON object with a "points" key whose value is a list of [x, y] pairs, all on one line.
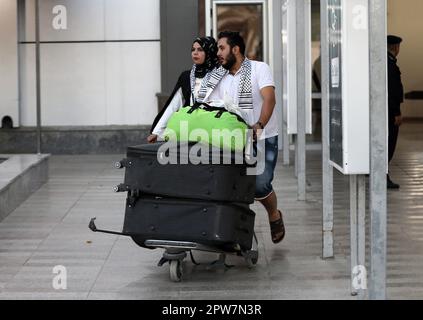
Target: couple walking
{"points": [[221, 72]]}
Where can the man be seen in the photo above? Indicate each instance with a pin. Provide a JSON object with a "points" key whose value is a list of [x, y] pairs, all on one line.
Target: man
{"points": [[249, 85], [395, 98]]}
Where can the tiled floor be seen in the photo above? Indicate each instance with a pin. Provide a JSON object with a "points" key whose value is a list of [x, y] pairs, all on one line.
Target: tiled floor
{"points": [[51, 228]]}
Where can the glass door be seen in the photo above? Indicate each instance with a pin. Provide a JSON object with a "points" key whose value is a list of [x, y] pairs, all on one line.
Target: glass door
{"points": [[247, 17]]}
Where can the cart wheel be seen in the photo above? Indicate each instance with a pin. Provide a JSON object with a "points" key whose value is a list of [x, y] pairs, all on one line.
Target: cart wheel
{"points": [[175, 269]]}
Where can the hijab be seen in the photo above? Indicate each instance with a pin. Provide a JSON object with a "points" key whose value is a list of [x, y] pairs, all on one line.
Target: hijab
{"points": [[209, 46]]}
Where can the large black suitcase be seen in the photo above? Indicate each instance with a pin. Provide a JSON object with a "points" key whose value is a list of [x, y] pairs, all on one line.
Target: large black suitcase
{"points": [[220, 225], [215, 182]]}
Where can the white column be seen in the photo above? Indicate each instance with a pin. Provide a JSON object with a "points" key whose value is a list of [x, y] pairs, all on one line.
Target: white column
{"points": [[301, 100]]}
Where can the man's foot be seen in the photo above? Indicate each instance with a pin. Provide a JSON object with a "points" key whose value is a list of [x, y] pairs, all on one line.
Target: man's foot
{"points": [[277, 229], [392, 185]]}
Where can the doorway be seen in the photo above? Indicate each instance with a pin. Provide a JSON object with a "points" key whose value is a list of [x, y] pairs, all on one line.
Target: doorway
{"points": [[250, 18]]}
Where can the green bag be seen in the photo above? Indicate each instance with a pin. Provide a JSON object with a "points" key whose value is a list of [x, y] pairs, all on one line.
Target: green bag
{"points": [[210, 125]]}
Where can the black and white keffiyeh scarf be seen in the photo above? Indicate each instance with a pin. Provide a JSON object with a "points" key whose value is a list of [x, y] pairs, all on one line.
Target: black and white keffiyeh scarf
{"points": [[245, 93], [209, 83], [212, 79]]}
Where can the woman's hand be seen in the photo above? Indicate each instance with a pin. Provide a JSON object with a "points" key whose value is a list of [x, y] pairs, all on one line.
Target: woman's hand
{"points": [[152, 138]]}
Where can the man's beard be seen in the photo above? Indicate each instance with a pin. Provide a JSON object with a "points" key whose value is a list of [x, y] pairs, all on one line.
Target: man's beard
{"points": [[231, 60]]}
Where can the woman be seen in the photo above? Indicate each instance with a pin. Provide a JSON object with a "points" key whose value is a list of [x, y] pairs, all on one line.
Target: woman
{"points": [[204, 56]]}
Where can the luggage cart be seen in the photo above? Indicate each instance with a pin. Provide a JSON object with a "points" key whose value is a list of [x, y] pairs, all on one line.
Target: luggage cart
{"points": [[176, 251], [212, 207]]}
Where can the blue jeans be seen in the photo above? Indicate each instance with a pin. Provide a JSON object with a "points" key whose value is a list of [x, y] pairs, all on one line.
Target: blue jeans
{"points": [[264, 181]]}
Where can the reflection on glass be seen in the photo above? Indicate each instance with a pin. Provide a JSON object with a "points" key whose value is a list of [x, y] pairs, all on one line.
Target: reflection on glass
{"points": [[335, 83], [248, 20]]}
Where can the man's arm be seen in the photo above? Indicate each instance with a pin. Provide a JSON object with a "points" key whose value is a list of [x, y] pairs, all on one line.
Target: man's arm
{"points": [[395, 91], [269, 102]]}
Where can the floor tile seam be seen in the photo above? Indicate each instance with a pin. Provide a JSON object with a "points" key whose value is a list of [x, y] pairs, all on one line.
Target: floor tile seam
{"points": [[102, 267], [42, 242]]}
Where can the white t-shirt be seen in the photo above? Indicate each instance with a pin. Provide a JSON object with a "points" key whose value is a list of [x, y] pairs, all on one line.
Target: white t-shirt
{"points": [[261, 77]]}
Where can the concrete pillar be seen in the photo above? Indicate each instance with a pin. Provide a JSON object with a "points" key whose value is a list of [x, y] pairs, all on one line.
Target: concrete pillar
{"points": [[378, 148]]}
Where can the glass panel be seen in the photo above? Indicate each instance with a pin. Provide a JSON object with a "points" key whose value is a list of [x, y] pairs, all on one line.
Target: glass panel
{"points": [[248, 20], [335, 67]]}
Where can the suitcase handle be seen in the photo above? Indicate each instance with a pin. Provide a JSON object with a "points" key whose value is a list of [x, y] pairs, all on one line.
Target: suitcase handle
{"points": [[93, 228]]}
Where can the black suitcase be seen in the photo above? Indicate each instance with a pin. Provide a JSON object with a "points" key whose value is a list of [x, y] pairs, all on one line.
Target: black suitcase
{"points": [[215, 182], [214, 224]]}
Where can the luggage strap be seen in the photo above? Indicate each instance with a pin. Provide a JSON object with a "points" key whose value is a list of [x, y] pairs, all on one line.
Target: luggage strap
{"points": [[210, 108]]}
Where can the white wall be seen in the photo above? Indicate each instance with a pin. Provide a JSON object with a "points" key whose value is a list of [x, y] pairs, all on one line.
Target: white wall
{"points": [[404, 20], [9, 93], [94, 82]]}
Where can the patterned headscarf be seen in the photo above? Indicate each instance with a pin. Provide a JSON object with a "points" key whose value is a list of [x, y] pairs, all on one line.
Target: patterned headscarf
{"points": [[209, 46]]}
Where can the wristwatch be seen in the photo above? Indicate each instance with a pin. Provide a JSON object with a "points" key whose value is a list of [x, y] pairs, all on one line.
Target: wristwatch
{"points": [[260, 124]]}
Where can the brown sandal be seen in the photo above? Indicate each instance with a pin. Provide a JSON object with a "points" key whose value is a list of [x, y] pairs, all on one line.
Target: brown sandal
{"points": [[277, 227]]}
